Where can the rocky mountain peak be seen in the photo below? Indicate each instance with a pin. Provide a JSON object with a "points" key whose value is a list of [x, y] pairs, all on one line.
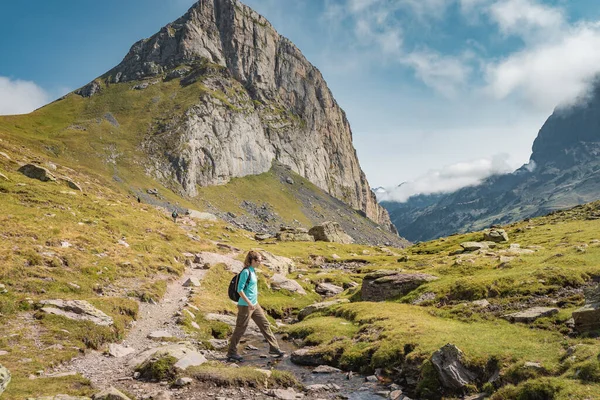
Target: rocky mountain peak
{"points": [[261, 101]]}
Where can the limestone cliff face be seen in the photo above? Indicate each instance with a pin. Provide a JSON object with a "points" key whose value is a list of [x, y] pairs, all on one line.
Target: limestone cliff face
{"points": [[263, 102]]}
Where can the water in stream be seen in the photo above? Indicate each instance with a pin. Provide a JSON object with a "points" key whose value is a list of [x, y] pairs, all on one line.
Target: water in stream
{"points": [[354, 387]]}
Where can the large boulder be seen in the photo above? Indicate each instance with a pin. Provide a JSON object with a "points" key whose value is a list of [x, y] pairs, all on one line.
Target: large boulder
{"points": [[36, 172], [4, 378], [278, 264], [306, 311], [496, 235], [531, 314], [328, 289], [587, 318], [280, 282], [308, 356], [330, 232], [448, 362], [383, 285], [288, 234], [79, 310]]}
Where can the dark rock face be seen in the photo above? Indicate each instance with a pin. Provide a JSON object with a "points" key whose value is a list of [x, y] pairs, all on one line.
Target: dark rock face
{"points": [[383, 285], [36, 172], [279, 107], [448, 362], [562, 173], [587, 318]]}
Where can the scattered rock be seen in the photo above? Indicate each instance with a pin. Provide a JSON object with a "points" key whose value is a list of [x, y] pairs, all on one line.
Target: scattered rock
{"points": [[278, 264], [110, 394], [319, 387], [36, 172], [76, 310], [328, 289], [481, 303], [496, 235], [72, 184], [3, 289], [587, 318], [325, 369], [531, 314], [219, 344], [185, 353], [305, 312], [289, 234], [289, 180], [285, 394], [280, 282], [335, 257], [118, 351], [451, 371], [4, 378], [181, 382], [382, 285], [4, 177], [308, 356], [192, 282], [474, 246], [160, 335], [330, 232], [263, 236], [59, 397]]}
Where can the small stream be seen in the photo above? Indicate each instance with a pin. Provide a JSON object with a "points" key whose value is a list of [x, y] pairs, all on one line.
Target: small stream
{"points": [[354, 387]]}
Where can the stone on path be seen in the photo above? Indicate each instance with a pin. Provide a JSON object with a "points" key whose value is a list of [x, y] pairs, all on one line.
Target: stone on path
{"points": [[192, 282], [531, 314], [181, 382], [185, 353], [160, 335], [285, 394], [325, 369], [202, 216], [76, 310], [118, 351], [110, 394]]}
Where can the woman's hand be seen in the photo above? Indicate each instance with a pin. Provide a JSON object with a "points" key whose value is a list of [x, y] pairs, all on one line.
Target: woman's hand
{"points": [[251, 307]]}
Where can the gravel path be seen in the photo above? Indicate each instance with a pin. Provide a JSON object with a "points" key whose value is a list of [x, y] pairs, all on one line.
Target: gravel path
{"points": [[104, 371]]}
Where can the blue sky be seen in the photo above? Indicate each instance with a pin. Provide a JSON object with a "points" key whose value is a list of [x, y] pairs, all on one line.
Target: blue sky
{"points": [[440, 93]]}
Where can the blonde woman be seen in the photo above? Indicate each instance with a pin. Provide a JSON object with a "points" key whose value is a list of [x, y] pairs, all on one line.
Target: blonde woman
{"points": [[248, 308]]}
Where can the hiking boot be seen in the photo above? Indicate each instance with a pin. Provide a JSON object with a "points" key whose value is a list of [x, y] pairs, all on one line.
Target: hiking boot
{"points": [[235, 358], [277, 353]]}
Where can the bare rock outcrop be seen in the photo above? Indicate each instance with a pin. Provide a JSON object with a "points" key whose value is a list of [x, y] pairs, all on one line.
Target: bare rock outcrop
{"points": [[330, 232], [263, 102], [451, 371], [383, 285], [77, 310], [587, 318]]}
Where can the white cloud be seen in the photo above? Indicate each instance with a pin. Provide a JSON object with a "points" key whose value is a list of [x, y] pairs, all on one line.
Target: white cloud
{"points": [[20, 97], [550, 73], [526, 18], [446, 74], [450, 178]]}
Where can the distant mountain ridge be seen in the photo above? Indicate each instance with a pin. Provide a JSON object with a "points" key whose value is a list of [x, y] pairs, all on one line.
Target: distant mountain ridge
{"points": [[562, 172]]}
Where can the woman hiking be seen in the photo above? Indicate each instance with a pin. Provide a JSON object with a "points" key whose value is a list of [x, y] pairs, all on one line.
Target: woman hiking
{"points": [[248, 308]]}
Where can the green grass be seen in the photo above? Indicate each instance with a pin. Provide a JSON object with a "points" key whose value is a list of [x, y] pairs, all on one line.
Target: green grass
{"points": [[222, 375]]}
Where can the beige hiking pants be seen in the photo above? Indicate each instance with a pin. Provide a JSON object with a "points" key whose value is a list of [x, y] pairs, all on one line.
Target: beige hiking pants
{"points": [[243, 319]]}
